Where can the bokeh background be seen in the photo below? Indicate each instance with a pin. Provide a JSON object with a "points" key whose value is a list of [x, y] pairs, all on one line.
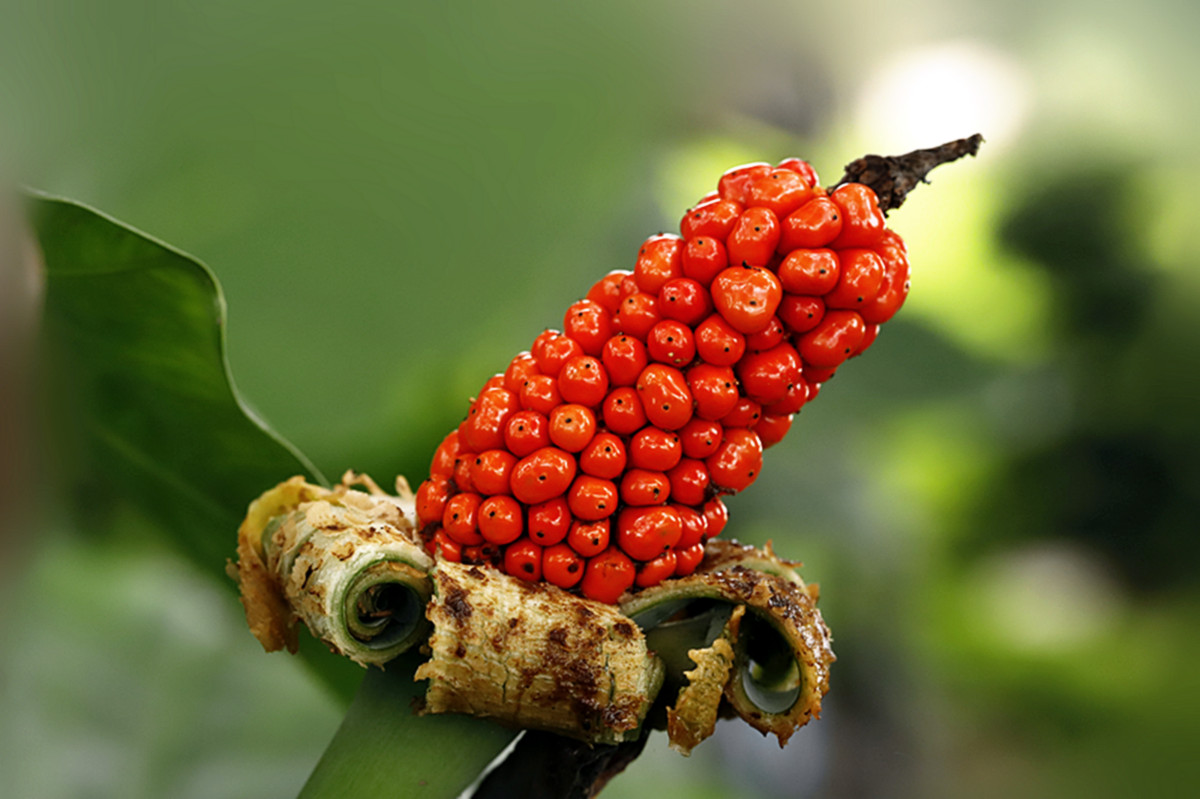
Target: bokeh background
{"points": [[999, 500]]}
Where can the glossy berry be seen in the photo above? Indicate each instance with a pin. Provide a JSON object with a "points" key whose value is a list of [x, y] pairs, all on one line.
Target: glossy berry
{"points": [[801, 168], [716, 515], [684, 300], [431, 499], [737, 462], [543, 475], [552, 349], [770, 336], [766, 376], [526, 432], [718, 343], [700, 438], [689, 482], [815, 224], [624, 357], [622, 411], [549, 521], [653, 572], [655, 449], [687, 559], [781, 191], [694, 527], [592, 498], [638, 313], [589, 324], [445, 456], [607, 576], [460, 520], [671, 342], [893, 289], [813, 272], [745, 413], [771, 429], [572, 426], [646, 533], [714, 389], [665, 396], [562, 566], [645, 487], [491, 470], [484, 428], [858, 284], [540, 393], [735, 182], [590, 538], [524, 559], [753, 240], [800, 314], [832, 341], [603, 457], [703, 258], [862, 221], [500, 520], [607, 290], [746, 297], [713, 218], [659, 260], [583, 380], [519, 369]]}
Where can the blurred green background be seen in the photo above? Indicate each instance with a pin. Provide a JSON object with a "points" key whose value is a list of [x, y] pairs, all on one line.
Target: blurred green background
{"points": [[999, 500]]}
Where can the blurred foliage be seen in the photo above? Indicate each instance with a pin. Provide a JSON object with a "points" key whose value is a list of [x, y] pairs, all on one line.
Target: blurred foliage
{"points": [[998, 500]]}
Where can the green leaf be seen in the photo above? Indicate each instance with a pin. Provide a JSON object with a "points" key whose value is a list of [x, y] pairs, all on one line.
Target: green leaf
{"points": [[383, 750], [143, 407]]}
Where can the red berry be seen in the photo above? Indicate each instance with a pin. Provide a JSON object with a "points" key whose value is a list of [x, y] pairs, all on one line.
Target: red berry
{"points": [[607, 290], [700, 438], [753, 240], [714, 389], [745, 414], [445, 456], [862, 221], [562, 566], [768, 337], [552, 349], [868, 339], [589, 323], [604, 456], [704, 257], [653, 572], [811, 272], [540, 393], [893, 289], [462, 471], [549, 521], [526, 432], [833, 340], [713, 218], [651, 448], [665, 396], [646, 533], [572, 426], [491, 470], [793, 400], [746, 297], [624, 358], [592, 498], [716, 515], [815, 224], [688, 559], [766, 376], [858, 284], [801, 168], [638, 313], [521, 367], [499, 520], [623, 412], [460, 520], [543, 475], [718, 343], [645, 487], [781, 190], [431, 499], [583, 380], [485, 423], [671, 342], [684, 300], [689, 482], [607, 576], [737, 462], [660, 259], [735, 183], [815, 376], [694, 526], [771, 429], [589, 538], [801, 314], [443, 547], [524, 559]]}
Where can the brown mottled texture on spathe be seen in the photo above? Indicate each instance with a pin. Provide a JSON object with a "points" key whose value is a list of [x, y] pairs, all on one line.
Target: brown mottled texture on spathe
{"points": [[535, 656]]}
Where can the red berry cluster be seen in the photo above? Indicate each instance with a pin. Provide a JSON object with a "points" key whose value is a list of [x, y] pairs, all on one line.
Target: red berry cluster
{"points": [[597, 460]]}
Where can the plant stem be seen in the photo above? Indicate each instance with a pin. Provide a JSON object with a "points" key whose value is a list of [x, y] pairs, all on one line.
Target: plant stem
{"points": [[892, 177]]}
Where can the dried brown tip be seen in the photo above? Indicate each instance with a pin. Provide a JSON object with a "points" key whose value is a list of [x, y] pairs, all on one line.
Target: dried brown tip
{"points": [[892, 177]]}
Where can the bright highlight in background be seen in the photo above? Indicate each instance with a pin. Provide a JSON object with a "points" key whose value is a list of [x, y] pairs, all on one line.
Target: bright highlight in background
{"points": [[948, 91]]}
